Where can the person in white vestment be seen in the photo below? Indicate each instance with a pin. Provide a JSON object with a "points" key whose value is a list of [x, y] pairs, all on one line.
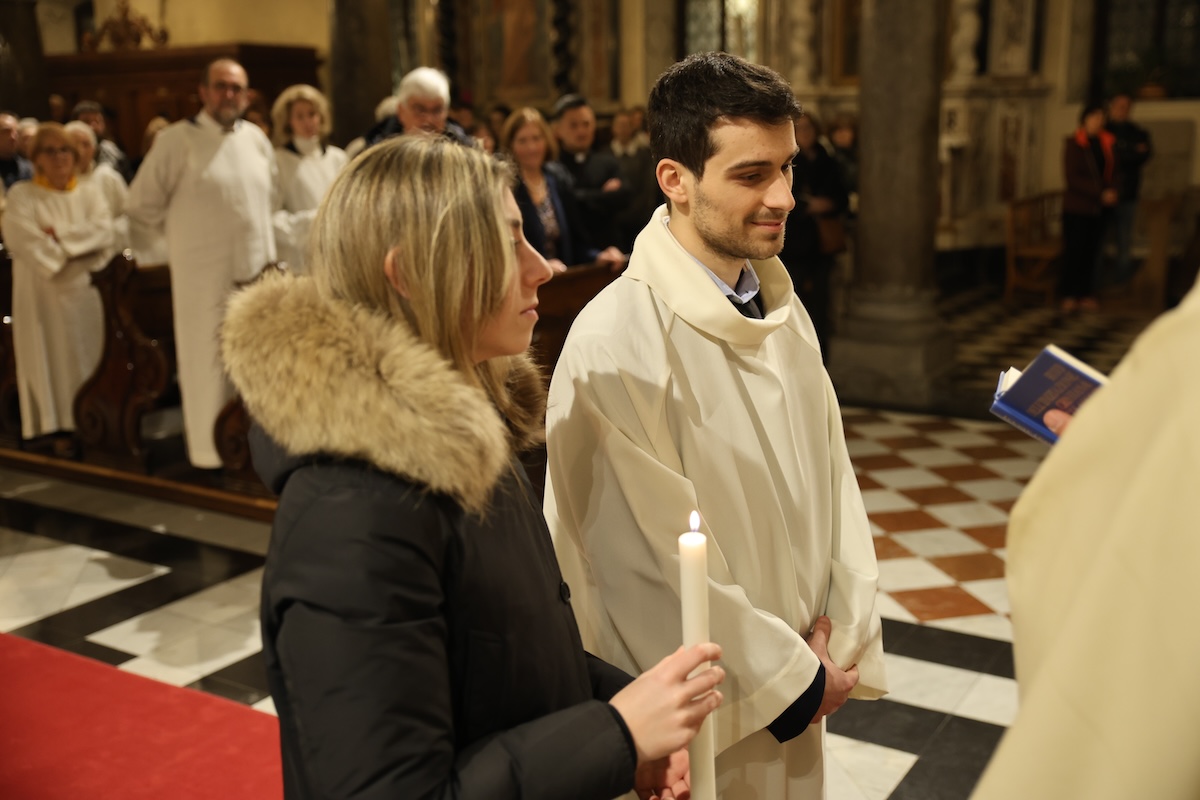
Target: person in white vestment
{"points": [[210, 180], [106, 179], [57, 231], [694, 382], [1102, 557], [307, 166]]}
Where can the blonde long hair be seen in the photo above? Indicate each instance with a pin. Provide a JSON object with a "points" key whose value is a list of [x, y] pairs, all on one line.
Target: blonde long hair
{"points": [[438, 207]]}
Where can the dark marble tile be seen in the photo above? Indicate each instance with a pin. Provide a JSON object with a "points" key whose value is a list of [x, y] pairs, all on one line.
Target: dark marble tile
{"points": [[245, 695], [251, 671], [98, 652], [953, 649], [889, 724], [950, 765], [129, 602]]}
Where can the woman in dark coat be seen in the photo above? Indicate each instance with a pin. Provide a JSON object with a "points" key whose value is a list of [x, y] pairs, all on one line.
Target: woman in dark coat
{"points": [[419, 638], [1090, 170], [552, 220]]}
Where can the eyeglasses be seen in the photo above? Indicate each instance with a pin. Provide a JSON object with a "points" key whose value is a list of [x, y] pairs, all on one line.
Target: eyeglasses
{"points": [[56, 151], [222, 87]]}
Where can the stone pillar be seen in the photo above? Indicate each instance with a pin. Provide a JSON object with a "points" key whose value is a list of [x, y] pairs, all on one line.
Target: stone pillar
{"points": [[22, 66], [802, 58], [360, 55], [892, 348]]}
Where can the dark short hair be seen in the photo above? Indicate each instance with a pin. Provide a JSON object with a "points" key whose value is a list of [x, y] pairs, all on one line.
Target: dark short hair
{"points": [[568, 102], [1088, 110], [693, 95], [86, 107]]}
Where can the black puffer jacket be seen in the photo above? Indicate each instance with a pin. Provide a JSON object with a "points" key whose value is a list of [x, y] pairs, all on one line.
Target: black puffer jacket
{"points": [[415, 648]]}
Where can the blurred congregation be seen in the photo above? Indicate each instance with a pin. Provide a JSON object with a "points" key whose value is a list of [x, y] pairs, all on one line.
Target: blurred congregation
{"points": [[154, 159]]}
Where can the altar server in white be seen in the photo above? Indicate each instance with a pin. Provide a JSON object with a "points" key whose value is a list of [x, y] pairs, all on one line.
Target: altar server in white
{"points": [[694, 381], [210, 180], [1103, 554], [110, 183], [58, 231], [307, 166]]}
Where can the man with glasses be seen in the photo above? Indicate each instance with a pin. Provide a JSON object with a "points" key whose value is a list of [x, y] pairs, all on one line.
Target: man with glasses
{"points": [[210, 180], [422, 107]]}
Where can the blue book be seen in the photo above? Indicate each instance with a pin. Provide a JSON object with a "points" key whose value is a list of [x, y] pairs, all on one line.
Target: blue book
{"points": [[1055, 379]]}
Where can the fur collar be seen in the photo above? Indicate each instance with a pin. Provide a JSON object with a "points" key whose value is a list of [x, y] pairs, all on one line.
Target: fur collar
{"points": [[325, 377]]}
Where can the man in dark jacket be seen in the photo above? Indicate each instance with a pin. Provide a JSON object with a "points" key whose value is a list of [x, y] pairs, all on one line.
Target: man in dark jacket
{"points": [[1133, 149], [601, 188], [13, 167]]}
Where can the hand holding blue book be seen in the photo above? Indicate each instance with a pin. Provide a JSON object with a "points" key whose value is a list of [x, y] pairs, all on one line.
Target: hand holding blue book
{"points": [[1055, 379]]}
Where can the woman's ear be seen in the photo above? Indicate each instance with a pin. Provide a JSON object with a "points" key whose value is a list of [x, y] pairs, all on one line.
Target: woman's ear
{"points": [[392, 270], [673, 180]]}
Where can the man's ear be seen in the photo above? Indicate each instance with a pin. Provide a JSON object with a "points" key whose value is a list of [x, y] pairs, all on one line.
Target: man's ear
{"points": [[392, 270], [674, 180]]}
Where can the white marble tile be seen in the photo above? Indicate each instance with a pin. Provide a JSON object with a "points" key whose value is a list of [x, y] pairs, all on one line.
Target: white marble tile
{"points": [[992, 699], [939, 542], [991, 489], [838, 783], [875, 529], [989, 626], [993, 592], [266, 705], [907, 478], [1031, 448], [157, 670], [967, 515], [888, 608], [223, 601], [903, 417], [902, 574], [981, 425], [927, 685], [960, 438], [1011, 467], [882, 500], [147, 632], [205, 650], [859, 448], [873, 770], [935, 457], [885, 430]]}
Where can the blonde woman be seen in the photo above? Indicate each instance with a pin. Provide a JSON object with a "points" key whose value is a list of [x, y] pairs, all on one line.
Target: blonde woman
{"points": [[57, 232], [307, 166], [418, 635], [104, 177]]}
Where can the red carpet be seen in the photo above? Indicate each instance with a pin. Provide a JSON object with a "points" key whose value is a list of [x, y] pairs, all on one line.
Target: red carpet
{"points": [[74, 728]]}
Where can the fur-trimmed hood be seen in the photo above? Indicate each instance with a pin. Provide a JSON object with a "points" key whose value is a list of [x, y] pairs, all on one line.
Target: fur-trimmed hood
{"points": [[323, 377]]}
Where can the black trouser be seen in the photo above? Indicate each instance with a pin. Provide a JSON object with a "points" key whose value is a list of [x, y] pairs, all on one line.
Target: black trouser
{"points": [[1082, 235]]}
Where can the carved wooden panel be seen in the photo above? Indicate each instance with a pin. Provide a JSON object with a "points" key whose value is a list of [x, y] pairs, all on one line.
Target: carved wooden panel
{"points": [[135, 370]]}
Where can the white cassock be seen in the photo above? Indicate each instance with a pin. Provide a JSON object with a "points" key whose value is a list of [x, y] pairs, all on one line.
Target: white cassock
{"points": [[306, 169], [1103, 555], [116, 194], [58, 320], [666, 399], [214, 191]]}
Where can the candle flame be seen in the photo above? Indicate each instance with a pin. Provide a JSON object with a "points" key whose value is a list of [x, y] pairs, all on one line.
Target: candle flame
{"points": [[694, 520]]}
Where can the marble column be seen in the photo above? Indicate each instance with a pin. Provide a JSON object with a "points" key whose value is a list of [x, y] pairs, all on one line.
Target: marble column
{"points": [[360, 55], [892, 348], [22, 66], [802, 56]]}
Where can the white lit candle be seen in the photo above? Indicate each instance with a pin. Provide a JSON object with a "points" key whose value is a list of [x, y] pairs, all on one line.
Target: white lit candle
{"points": [[693, 595]]}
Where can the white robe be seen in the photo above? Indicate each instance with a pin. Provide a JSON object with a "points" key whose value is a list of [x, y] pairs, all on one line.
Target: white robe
{"points": [[1103, 557], [666, 399], [116, 193], [58, 320], [303, 180], [214, 192]]}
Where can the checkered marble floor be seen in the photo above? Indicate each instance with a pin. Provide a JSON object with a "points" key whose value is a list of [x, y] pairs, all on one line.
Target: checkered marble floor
{"points": [[172, 593]]}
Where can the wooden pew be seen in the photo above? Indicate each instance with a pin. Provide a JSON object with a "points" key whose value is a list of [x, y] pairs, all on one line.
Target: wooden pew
{"points": [[559, 301], [1034, 245], [10, 411], [136, 368]]}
